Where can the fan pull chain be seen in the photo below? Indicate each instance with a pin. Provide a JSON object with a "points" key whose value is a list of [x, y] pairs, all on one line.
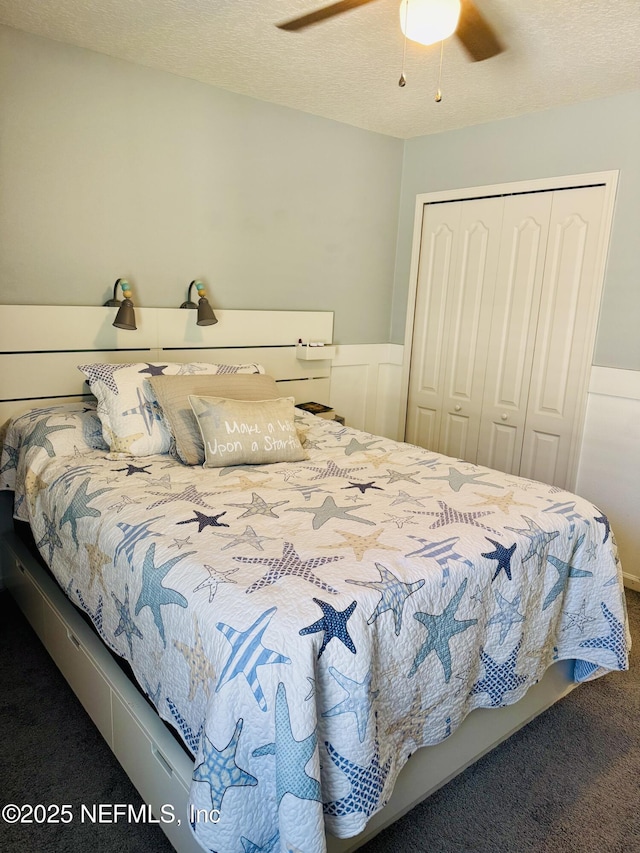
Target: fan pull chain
{"points": [[438, 97], [402, 82]]}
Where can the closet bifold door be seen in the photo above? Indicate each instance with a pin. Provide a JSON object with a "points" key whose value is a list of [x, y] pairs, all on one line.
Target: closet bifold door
{"points": [[456, 277], [525, 228], [439, 239], [564, 336]]}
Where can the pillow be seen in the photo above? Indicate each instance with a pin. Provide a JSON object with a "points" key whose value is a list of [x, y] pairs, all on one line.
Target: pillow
{"points": [[247, 432], [132, 424], [172, 393]]}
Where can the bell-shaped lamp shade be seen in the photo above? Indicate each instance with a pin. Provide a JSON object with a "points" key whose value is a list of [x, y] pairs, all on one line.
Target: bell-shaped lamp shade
{"points": [[429, 21], [206, 317], [126, 316]]}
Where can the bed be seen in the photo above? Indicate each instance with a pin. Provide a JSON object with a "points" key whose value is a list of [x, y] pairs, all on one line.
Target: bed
{"points": [[304, 626]]}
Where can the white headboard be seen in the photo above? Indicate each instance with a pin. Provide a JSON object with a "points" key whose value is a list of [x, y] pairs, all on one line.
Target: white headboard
{"points": [[41, 346]]}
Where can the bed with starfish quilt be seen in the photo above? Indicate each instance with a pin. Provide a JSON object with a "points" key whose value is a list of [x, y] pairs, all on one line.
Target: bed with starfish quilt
{"points": [[307, 625]]}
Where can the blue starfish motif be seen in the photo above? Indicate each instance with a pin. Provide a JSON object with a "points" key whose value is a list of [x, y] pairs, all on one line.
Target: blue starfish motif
{"points": [[394, 593], [12, 454], [153, 594], [334, 624], [154, 369], [191, 738], [271, 846], [203, 520], [363, 486], [50, 536], [289, 565], [507, 616], [135, 469], [602, 519], [565, 571], [102, 373], [291, 755], [539, 539], [132, 534], [367, 784], [38, 435], [248, 653], [359, 700], [450, 515], [503, 556], [441, 551], [126, 625], [615, 641], [79, 508], [440, 631], [499, 678], [219, 770]]}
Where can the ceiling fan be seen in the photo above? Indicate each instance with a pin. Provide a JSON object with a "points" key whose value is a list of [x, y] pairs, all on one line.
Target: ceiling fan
{"points": [[472, 30]]}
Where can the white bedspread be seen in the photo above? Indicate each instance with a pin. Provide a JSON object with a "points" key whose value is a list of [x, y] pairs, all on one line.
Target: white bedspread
{"points": [[307, 626]]}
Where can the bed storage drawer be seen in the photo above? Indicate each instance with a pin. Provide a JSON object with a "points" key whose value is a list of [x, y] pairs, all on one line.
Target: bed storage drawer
{"points": [[66, 646], [21, 586], [160, 771]]}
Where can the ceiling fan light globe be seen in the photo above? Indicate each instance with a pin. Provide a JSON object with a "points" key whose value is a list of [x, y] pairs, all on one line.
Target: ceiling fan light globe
{"points": [[429, 21]]}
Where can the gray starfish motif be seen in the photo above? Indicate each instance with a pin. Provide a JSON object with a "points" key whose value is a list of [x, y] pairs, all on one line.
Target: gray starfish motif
{"points": [[457, 479], [565, 571], [216, 577], [79, 508], [395, 476], [450, 515], [259, 506], [289, 564], [249, 537], [356, 446], [329, 510], [126, 625], [189, 495], [332, 470], [38, 435]]}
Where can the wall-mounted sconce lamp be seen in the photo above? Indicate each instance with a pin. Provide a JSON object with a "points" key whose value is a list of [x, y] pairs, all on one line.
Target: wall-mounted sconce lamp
{"points": [[126, 316], [206, 317]]}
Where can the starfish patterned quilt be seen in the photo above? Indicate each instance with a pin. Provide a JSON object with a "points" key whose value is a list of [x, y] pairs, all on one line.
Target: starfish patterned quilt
{"points": [[306, 626]]}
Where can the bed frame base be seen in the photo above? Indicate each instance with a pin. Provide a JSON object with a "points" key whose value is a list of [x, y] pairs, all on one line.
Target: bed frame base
{"points": [[154, 761]]}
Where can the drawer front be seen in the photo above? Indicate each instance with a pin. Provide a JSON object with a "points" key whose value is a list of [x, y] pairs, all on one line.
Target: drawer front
{"points": [[157, 781], [23, 590], [84, 678]]}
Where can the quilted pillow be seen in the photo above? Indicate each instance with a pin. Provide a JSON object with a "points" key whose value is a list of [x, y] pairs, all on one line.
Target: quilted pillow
{"points": [[172, 393], [247, 432], [132, 424]]}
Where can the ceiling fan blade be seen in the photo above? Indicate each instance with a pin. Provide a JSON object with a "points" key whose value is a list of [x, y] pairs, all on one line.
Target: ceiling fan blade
{"points": [[322, 14], [475, 33]]}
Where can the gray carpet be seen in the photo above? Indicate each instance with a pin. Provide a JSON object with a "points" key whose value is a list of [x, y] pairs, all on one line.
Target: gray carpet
{"points": [[569, 782]]}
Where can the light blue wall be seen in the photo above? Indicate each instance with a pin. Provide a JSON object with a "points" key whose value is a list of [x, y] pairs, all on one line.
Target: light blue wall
{"points": [[109, 169], [589, 137]]}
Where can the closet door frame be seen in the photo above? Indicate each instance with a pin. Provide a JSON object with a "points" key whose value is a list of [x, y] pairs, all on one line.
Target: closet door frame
{"points": [[609, 180]]}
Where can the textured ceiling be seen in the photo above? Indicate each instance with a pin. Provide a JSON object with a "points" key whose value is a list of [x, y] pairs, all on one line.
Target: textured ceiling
{"points": [[558, 51]]}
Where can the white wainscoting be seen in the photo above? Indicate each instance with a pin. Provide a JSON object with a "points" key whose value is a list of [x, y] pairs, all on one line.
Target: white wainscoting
{"points": [[609, 467], [365, 387]]}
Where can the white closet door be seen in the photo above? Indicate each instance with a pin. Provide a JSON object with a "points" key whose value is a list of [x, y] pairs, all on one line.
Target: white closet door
{"points": [[469, 308], [568, 312], [515, 314], [440, 223]]}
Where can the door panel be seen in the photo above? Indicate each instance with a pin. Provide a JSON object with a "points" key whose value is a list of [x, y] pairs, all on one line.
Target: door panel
{"points": [[515, 313], [440, 224], [471, 303], [568, 310]]}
